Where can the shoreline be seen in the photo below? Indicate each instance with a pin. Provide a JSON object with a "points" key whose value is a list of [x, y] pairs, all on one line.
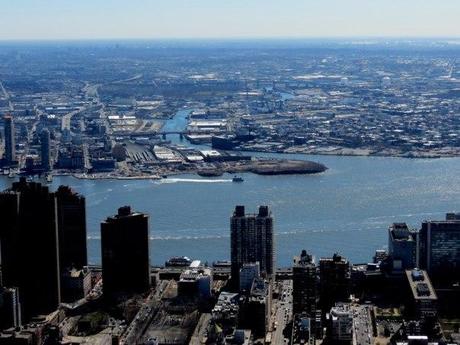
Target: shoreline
{"points": [[268, 167], [276, 166], [362, 153]]}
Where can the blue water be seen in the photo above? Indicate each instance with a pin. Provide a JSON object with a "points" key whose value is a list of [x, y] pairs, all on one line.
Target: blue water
{"points": [[286, 96], [177, 123], [346, 209]]}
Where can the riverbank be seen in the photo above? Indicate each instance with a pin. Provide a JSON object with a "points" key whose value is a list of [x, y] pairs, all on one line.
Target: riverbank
{"points": [[348, 208], [259, 166], [179, 122], [449, 152]]}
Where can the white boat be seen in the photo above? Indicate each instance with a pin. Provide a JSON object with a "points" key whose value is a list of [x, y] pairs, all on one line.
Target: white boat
{"points": [[237, 179]]}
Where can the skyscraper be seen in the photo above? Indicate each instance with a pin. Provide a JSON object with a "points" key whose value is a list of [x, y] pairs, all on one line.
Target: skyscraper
{"points": [[402, 246], [10, 311], [42, 235], [71, 216], [422, 301], [125, 254], [45, 150], [334, 281], [29, 246], [304, 285], [10, 150], [256, 308], [248, 273], [439, 249], [252, 240]]}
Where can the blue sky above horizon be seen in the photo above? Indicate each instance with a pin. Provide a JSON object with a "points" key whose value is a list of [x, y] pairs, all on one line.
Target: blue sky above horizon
{"points": [[112, 19]]}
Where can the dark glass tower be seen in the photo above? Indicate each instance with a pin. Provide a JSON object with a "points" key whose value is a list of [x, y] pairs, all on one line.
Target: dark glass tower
{"points": [[29, 246], [252, 240], [125, 254], [71, 213], [10, 150], [45, 150], [42, 234], [10, 311], [439, 250]]}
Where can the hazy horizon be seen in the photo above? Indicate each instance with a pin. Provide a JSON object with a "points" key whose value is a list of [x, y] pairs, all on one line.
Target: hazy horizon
{"points": [[239, 39], [33, 20]]}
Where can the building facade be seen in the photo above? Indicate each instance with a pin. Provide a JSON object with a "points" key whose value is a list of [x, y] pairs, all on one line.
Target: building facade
{"points": [[248, 273], [334, 281], [256, 309], [10, 147], [422, 301], [71, 211], [125, 254], [45, 150], [10, 308], [439, 249], [29, 246], [341, 323], [304, 291], [402, 246], [252, 240]]}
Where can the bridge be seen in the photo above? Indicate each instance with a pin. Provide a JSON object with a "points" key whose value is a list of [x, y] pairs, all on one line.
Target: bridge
{"points": [[172, 132], [150, 133]]}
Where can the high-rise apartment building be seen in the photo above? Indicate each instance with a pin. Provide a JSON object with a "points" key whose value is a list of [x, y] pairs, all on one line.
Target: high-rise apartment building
{"points": [[10, 311], [71, 216], [248, 273], [252, 240], [125, 254], [341, 324], [421, 302], [29, 246], [304, 291], [256, 308], [334, 281], [45, 150], [402, 246], [10, 149], [43, 234]]}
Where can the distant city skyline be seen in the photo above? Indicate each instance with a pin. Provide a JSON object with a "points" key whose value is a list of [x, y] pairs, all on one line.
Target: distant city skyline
{"points": [[85, 19]]}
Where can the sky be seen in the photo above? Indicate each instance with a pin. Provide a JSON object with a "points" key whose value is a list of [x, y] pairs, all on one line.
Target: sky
{"points": [[126, 19]]}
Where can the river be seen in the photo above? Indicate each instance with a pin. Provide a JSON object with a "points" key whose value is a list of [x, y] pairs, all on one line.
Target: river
{"points": [[346, 209]]}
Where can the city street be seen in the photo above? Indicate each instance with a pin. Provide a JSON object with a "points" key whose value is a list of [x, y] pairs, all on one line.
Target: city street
{"points": [[283, 312], [362, 325]]}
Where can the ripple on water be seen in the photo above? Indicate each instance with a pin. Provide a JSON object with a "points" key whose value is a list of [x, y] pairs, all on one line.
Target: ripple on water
{"points": [[347, 209]]}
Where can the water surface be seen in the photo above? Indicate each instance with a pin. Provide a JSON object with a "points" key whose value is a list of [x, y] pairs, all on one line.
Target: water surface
{"points": [[346, 209]]}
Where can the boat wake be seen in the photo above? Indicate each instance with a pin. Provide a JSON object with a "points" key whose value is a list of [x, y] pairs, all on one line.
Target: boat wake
{"points": [[197, 236], [191, 180]]}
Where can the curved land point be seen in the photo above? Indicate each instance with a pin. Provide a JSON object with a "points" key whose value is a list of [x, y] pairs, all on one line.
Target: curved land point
{"points": [[285, 167], [258, 166], [210, 173]]}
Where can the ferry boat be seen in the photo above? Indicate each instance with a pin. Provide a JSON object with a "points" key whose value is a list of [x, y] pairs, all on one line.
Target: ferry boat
{"points": [[49, 178], [237, 179]]}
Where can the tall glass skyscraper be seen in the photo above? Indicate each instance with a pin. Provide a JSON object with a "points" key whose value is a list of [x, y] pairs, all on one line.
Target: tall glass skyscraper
{"points": [[439, 249], [10, 150], [45, 150]]}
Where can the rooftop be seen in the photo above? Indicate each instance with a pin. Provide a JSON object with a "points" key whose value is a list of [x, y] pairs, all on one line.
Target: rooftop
{"points": [[420, 285]]}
